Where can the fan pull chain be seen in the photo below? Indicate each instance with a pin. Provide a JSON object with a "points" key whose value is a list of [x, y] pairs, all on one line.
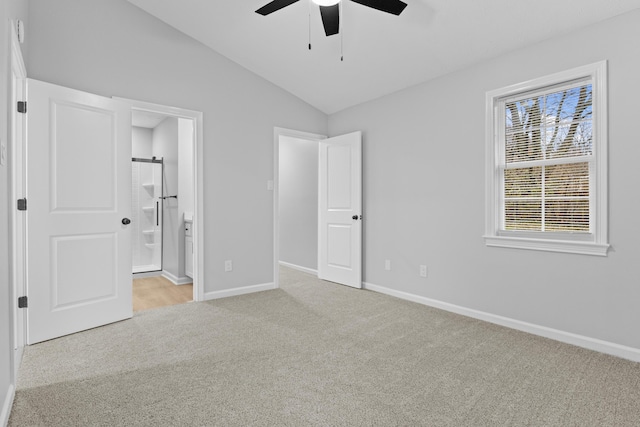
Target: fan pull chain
{"points": [[309, 4], [341, 33], [309, 30]]}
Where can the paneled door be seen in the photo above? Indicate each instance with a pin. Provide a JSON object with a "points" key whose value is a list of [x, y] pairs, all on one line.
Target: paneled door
{"points": [[78, 210], [340, 210]]}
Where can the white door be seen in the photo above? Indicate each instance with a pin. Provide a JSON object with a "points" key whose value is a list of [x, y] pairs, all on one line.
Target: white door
{"points": [[78, 199], [340, 210]]}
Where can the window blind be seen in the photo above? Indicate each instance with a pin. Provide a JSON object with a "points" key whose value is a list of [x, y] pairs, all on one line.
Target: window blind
{"points": [[546, 168]]}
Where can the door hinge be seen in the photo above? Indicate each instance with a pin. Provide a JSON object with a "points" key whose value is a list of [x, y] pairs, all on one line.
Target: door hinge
{"points": [[22, 107], [22, 204], [22, 302]]}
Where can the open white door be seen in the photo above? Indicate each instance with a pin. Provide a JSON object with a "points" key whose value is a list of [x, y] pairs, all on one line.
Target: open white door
{"points": [[340, 210], [79, 199]]}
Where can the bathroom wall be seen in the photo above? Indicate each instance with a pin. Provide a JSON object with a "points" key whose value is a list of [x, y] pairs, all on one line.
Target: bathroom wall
{"points": [[141, 142], [185, 183]]}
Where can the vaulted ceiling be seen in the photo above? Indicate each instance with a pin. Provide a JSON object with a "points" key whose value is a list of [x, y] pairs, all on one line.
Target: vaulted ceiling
{"points": [[382, 53]]}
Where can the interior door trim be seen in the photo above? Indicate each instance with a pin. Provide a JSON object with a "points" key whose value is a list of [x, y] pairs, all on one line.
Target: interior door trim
{"points": [[198, 175], [277, 133]]}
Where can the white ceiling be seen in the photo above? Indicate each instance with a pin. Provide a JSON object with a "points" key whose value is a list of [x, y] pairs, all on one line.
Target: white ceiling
{"points": [[146, 119], [383, 53]]}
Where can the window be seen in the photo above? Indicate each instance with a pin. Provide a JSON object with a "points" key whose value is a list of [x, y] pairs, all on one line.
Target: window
{"points": [[546, 163]]}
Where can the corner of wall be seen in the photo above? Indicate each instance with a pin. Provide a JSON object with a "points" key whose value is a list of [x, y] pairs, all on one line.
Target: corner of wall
{"points": [[6, 406]]}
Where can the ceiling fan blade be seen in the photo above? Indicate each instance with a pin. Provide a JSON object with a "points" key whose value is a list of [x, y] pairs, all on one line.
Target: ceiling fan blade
{"points": [[394, 7], [331, 19], [274, 6]]}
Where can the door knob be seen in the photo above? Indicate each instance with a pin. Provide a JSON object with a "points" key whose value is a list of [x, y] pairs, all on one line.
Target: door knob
{"points": [[126, 221], [356, 217]]}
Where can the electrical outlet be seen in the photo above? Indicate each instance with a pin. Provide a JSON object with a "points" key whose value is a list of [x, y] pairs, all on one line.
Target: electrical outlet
{"points": [[270, 185], [228, 265], [423, 271], [387, 264]]}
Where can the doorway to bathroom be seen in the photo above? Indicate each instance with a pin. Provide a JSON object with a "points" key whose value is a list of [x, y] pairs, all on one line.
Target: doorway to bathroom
{"points": [[164, 219]]}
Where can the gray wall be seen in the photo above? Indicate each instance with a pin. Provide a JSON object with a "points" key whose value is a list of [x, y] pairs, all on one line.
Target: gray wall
{"points": [[141, 142], [298, 201], [112, 48], [185, 183], [9, 9], [165, 146], [424, 194]]}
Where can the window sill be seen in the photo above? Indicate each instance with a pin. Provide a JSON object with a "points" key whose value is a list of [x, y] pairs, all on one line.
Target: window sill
{"points": [[582, 248]]}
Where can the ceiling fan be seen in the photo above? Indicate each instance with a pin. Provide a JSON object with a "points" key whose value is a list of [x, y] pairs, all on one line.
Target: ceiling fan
{"points": [[330, 10]]}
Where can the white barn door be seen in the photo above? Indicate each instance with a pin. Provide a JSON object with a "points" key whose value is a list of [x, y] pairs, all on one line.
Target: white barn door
{"points": [[340, 210], [78, 205]]}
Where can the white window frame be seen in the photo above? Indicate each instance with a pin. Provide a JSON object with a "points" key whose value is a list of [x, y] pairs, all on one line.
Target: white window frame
{"points": [[592, 243]]}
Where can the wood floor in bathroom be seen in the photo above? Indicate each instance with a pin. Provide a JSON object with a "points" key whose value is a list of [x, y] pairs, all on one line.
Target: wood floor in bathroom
{"points": [[154, 292]]}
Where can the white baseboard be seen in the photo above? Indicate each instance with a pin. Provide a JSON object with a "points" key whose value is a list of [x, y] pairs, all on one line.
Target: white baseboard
{"points": [[595, 344], [175, 279], [239, 291], [17, 361], [7, 404], [146, 274], [299, 268]]}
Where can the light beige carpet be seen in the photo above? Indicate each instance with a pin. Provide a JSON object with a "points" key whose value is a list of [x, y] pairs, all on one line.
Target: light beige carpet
{"points": [[316, 353]]}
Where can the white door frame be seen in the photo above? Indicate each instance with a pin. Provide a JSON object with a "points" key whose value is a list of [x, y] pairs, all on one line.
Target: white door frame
{"points": [[198, 180], [17, 168], [277, 133]]}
